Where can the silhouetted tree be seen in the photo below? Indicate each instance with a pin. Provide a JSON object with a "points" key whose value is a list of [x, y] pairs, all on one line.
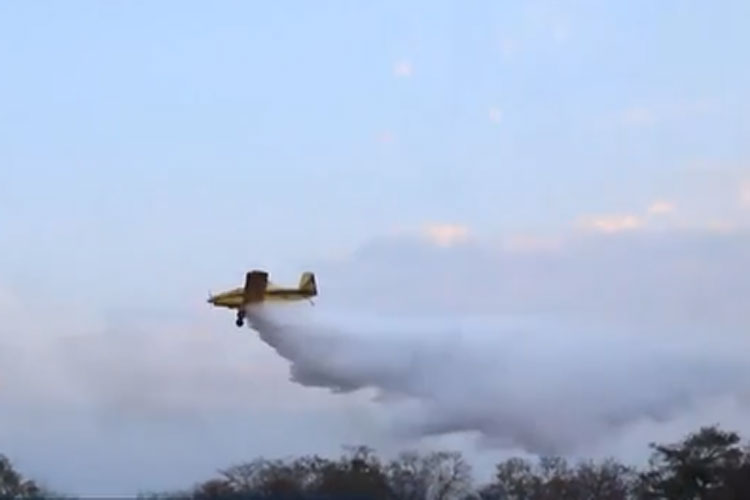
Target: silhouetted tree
{"points": [[436, 476], [358, 475], [737, 483], [214, 489], [275, 477], [607, 480], [554, 478], [13, 484], [708, 464]]}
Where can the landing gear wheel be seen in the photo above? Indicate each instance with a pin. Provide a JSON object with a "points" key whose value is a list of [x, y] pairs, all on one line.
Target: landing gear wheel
{"points": [[240, 319]]}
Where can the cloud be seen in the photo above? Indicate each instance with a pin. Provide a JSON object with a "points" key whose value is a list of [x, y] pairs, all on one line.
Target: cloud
{"points": [[403, 69], [611, 223], [386, 137], [661, 207], [446, 234], [615, 223], [495, 115]]}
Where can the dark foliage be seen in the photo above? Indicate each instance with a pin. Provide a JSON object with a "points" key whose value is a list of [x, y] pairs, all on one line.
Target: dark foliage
{"points": [[710, 464], [554, 478], [13, 484]]}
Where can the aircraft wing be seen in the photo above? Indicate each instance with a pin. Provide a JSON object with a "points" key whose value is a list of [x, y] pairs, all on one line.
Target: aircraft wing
{"points": [[255, 286]]}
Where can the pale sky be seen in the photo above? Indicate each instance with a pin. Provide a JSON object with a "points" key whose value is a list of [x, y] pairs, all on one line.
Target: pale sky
{"points": [[584, 160]]}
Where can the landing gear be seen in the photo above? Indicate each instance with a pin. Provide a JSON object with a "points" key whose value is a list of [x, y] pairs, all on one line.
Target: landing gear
{"points": [[240, 318]]}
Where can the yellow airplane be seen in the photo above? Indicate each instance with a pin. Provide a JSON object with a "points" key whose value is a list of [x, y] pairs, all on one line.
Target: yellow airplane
{"points": [[258, 289]]}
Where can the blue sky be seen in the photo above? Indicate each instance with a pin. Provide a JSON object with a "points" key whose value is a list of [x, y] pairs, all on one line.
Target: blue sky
{"points": [[586, 158], [253, 134]]}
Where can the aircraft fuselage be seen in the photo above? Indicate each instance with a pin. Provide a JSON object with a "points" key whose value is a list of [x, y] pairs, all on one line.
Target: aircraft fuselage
{"points": [[234, 299]]}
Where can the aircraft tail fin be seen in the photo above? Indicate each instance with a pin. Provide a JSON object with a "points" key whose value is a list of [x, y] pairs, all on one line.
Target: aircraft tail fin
{"points": [[255, 286], [307, 283]]}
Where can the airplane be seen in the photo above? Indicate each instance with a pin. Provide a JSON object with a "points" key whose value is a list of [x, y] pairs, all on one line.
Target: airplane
{"points": [[259, 289]]}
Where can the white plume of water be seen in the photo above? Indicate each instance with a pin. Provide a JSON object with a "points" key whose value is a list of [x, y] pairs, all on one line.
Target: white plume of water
{"points": [[542, 388]]}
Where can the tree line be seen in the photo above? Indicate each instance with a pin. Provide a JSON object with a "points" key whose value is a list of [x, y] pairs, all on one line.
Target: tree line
{"points": [[710, 464]]}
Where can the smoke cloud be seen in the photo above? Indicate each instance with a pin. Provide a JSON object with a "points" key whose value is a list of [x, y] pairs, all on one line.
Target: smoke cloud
{"points": [[537, 386]]}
